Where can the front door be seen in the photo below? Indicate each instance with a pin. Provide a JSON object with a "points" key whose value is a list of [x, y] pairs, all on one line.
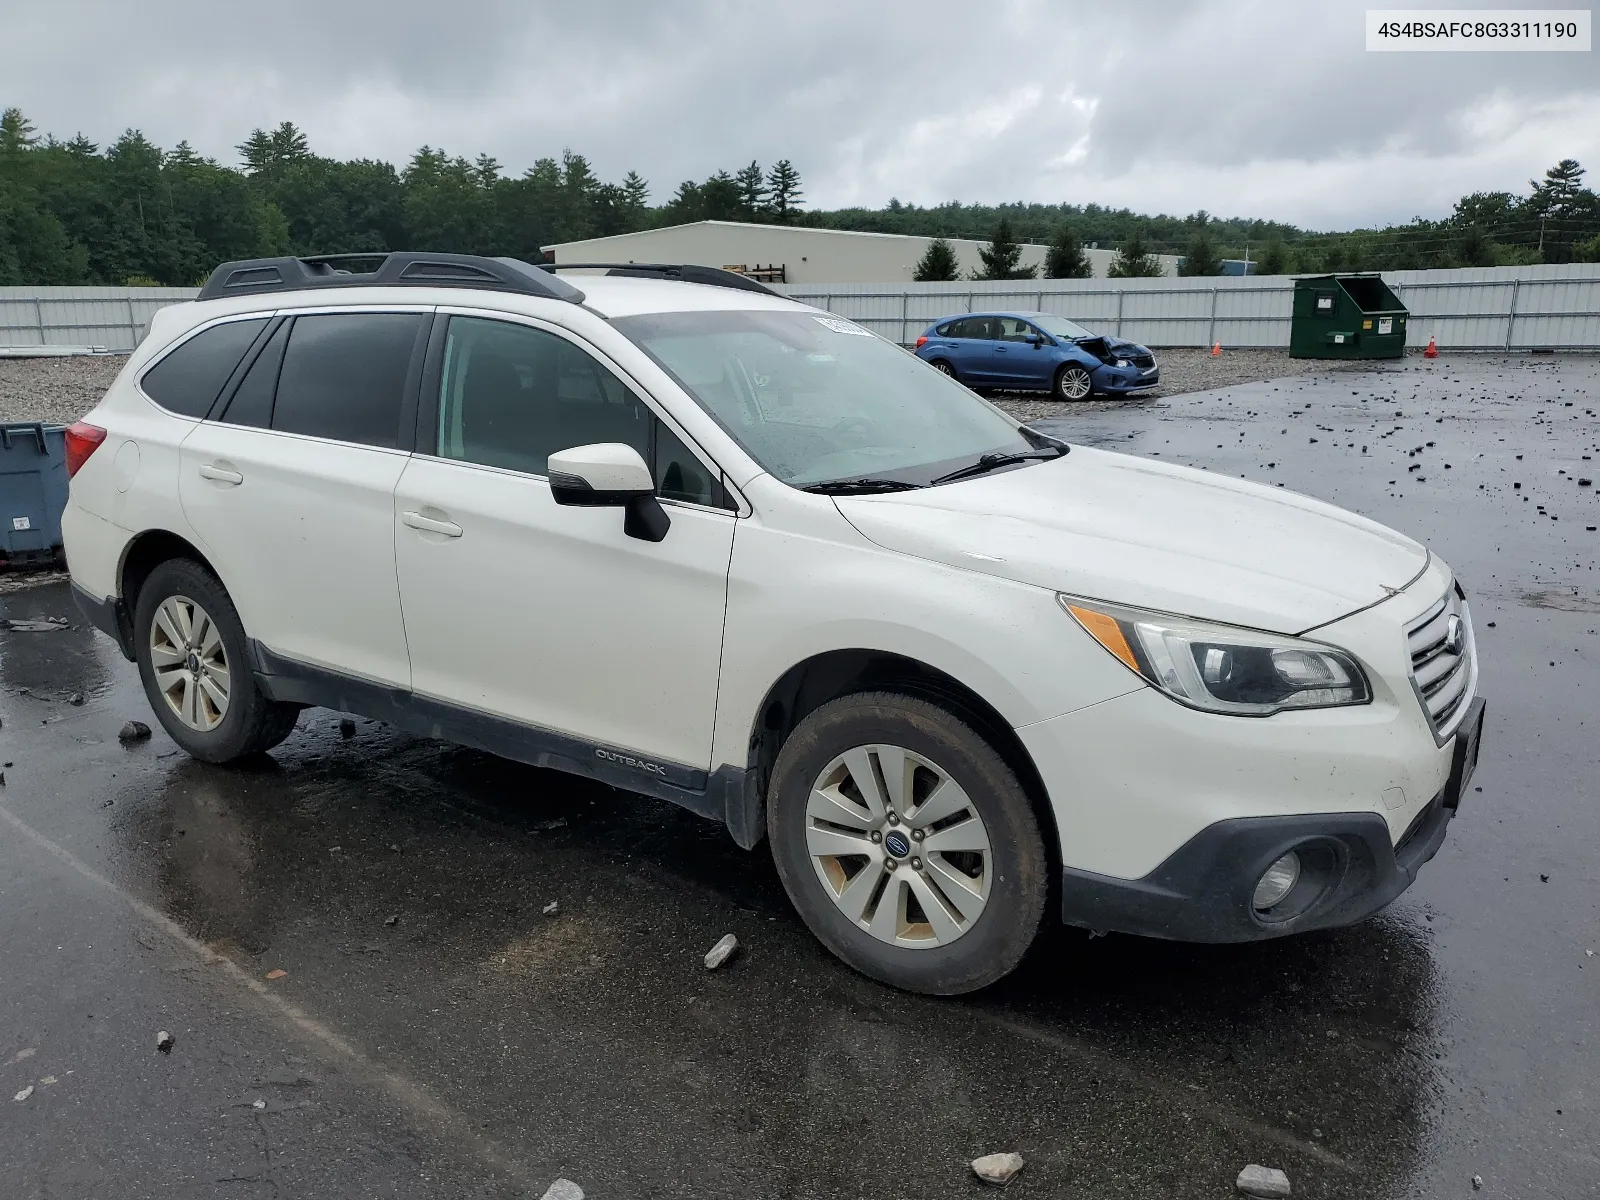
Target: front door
{"points": [[291, 490], [1019, 359], [545, 615]]}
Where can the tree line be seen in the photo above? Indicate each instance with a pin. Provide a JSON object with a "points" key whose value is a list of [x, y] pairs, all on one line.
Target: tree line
{"points": [[72, 212]]}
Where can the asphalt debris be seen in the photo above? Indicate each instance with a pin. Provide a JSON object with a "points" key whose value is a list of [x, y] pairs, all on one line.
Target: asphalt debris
{"points": [[998, 1169], [721, 952], [164, 1041], [133, 731], [1266, 1183], [563, 1189]]}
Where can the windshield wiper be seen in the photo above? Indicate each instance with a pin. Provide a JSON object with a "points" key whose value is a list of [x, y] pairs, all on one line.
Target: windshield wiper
{"points": [[864, 486], [989, 462]]}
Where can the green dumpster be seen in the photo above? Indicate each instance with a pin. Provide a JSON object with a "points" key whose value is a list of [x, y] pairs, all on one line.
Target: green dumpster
{"points": [[1346, 316]]}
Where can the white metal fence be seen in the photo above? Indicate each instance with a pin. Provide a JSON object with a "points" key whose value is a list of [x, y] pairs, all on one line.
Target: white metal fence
{"points": [[1475, 308]]}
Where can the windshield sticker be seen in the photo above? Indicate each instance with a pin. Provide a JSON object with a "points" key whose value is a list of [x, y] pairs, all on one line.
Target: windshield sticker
{"points": [[839, 326]]}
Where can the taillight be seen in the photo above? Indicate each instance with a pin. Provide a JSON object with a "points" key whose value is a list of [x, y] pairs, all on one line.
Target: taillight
{"points": [[922, 341], [82, 440]]}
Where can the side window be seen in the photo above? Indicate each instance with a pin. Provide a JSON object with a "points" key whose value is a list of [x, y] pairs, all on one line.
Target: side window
{"points": [[187, 380], [1014, 329], [344, 375], [511, 396], [948, 329], [252, 399]]}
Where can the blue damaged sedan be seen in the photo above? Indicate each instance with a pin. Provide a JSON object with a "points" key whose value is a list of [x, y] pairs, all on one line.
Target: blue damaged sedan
{"points": [[1033, 351]]}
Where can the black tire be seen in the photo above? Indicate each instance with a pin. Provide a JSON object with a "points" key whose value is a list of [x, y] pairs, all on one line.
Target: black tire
{"points": [[1002, 933], [1063, 383], [252, 723], [945, 368]]}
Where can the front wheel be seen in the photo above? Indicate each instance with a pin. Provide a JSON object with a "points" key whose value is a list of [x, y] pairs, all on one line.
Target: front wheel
{"points": [[195, 665], [1073, 383], [907, 844]]}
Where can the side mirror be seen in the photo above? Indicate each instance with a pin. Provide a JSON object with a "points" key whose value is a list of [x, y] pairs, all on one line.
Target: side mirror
{"points": [[1037, 340], [610, 475]]}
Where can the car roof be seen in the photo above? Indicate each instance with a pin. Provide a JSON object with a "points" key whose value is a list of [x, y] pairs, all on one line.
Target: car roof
{"points": [[626, 296]]}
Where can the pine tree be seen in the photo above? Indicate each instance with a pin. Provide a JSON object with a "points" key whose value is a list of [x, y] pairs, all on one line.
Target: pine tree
{"points": [[16, 131], [1552, 195], [288, 144], [719, 198], [256, 150], [1274, 258], [1001, 255], [635, 189], [1065, 258], [1201, 257], [783, 185], [1134, 260], [752, 189], [938, 264]]}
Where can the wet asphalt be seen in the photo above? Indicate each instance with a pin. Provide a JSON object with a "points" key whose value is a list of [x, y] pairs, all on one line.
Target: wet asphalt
{"points": [[437, 1034]]}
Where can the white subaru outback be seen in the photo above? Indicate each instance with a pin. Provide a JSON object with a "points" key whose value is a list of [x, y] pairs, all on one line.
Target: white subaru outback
{"points": [[685, 536]]}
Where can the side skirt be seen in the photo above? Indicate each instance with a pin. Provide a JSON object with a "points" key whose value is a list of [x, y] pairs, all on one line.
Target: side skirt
{"points": [[723, 796]]}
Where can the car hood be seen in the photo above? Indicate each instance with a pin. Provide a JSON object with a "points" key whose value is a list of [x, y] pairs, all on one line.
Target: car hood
{"points": [[1124, 529], [1114, 347]]}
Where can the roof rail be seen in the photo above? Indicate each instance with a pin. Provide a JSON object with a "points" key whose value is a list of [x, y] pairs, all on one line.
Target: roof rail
{"points": [[399, 268], [682, 272]]}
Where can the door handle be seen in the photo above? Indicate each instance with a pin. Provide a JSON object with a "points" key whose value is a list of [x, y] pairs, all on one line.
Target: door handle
{"points": [[221, 474], [417, 521], [999, 349]]}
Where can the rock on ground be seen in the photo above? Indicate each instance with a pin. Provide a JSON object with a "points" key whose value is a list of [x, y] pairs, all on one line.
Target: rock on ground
{"points": [[999, 1169], [563, 1189], [1265, 1182], [721, 952]]}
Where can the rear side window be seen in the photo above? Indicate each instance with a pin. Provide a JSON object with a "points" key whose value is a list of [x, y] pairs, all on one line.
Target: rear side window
{"points": [[252, 399], [187, 380], [344, 376]]}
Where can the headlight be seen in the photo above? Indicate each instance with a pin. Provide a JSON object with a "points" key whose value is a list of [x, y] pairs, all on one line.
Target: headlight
{"points": [[1122, 362], [1222, 668]]}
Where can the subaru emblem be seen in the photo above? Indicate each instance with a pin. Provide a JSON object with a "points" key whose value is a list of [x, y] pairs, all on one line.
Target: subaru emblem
{"points": [[1455, 635]]}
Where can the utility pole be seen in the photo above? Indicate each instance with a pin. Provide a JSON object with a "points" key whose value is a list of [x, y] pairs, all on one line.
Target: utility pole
{"points": [[1541, 237]]}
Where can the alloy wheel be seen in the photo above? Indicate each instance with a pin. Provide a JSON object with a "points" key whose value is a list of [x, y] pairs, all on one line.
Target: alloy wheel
{"points": [[190, 663], [899, 846], [1074, 384], [945, 368]]}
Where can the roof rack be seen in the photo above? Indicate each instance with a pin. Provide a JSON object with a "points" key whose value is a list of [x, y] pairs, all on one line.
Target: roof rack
{"points": [[682, 272], [400, 268]]}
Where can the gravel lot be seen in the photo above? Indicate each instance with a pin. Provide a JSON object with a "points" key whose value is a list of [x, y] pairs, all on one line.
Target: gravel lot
{"points": [[63, 389], [55, 390]]}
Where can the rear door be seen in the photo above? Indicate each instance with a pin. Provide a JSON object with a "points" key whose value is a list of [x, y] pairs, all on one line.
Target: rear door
{"points": [[290, 487], [975, 363]]}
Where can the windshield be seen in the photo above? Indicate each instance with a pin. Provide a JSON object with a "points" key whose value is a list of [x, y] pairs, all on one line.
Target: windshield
{"points": [[814, 399], [1059, 326]]}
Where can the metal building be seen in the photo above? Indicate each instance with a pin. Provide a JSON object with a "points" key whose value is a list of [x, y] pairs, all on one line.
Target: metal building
{"points": [[796, 254]]}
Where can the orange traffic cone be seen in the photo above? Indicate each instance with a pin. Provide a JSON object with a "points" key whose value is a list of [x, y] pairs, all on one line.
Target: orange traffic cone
{"points": [[1216, 349], [1432, 351]]}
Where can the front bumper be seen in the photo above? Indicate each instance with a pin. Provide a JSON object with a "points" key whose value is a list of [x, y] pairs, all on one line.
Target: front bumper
{"points": [[1202, 891], [1126, 379]]}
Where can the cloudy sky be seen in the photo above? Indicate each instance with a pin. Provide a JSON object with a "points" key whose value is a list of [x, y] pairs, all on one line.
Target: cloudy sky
{"points": [[1264, 109]]}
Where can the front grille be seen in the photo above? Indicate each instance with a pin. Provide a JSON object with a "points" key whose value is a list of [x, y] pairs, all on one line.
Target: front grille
{"points": [[1444, 670], [1143, 360]]}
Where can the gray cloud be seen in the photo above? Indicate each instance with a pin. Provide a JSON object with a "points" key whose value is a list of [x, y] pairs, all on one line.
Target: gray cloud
{"points": [[1257, 108]]}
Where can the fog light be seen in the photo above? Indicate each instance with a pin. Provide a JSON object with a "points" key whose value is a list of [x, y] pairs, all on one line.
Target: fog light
{"points": [[1277, 882]]}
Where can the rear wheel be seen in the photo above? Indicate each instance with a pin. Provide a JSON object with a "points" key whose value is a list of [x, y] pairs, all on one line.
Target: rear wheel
{"points": [[907, 844], [944, 368], [194, 662], [1073, 383]]}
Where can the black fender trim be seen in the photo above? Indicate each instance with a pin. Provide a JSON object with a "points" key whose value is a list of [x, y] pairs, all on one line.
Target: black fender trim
{"points": [[109, 615], [723, 796]]}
